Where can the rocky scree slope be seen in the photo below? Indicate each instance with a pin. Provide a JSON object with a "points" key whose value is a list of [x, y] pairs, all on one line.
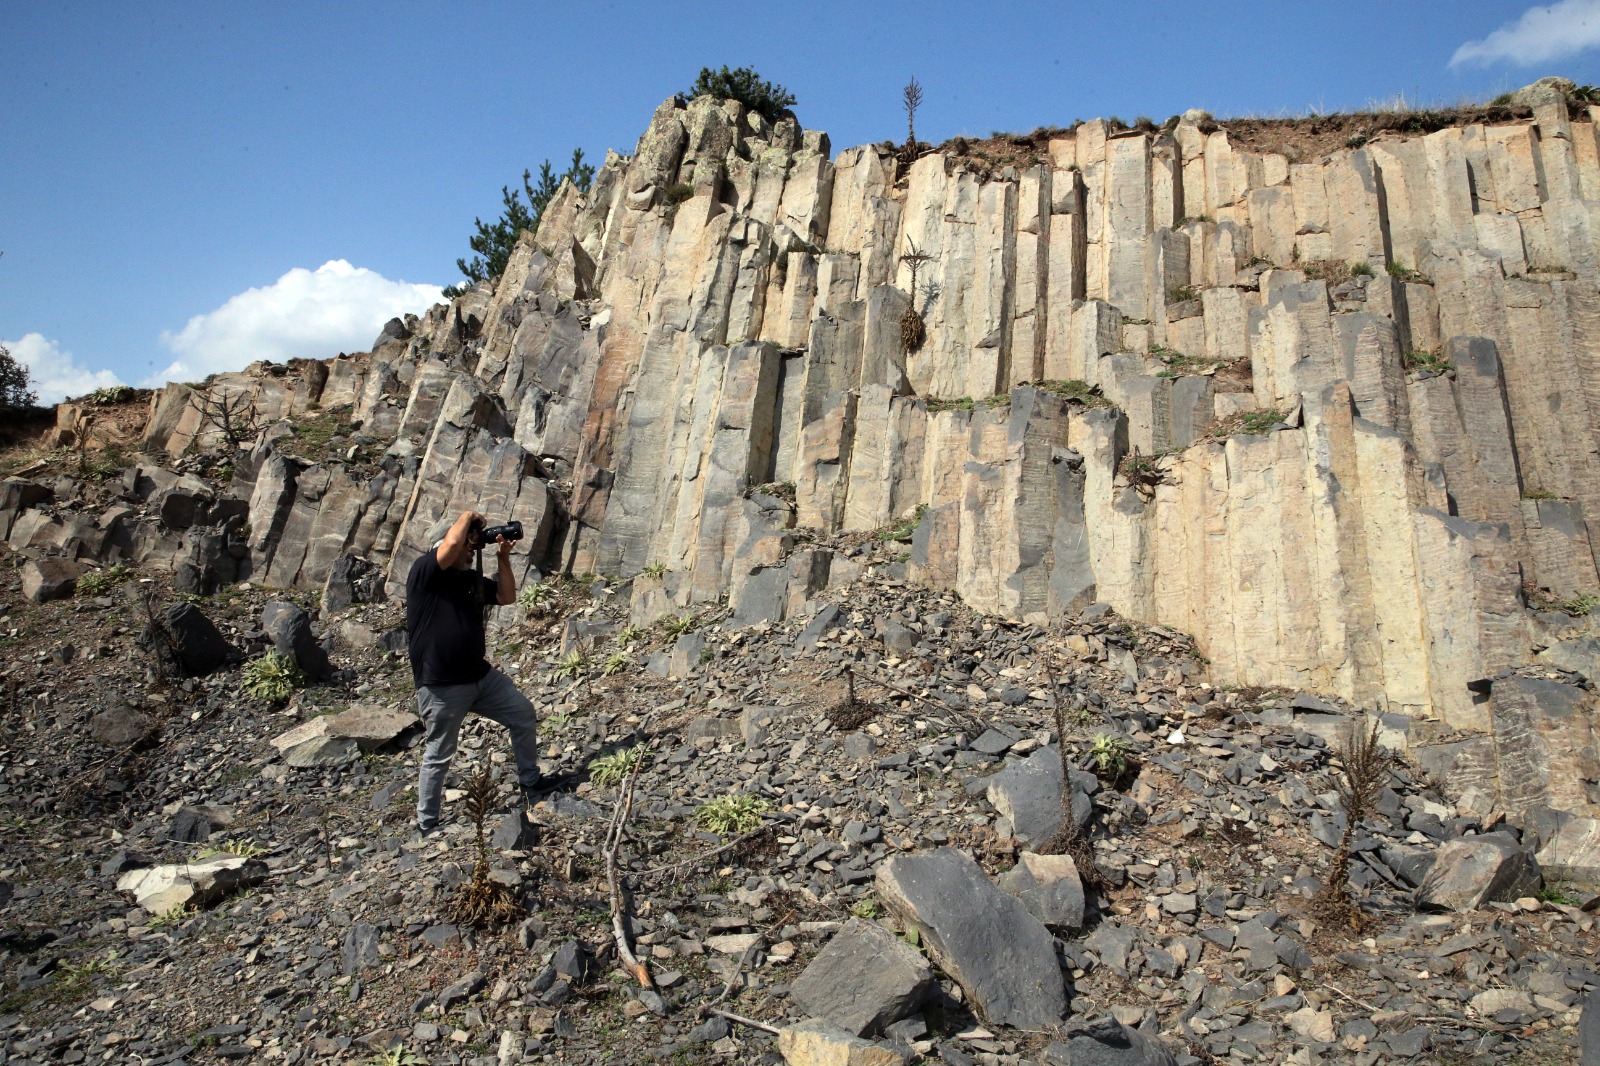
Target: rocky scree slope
{"points": [[893, 901]]}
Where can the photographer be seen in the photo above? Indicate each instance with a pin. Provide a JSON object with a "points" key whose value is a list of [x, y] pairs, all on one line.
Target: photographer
{"points": [[445, 606]]}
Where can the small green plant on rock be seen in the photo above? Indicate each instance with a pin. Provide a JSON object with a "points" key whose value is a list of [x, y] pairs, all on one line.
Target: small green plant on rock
{"points": [[172, 916], [677, 625], [1182, 294], [734, 813], [654, 570], [571, 666], [1109, 753], [902, 528], [396, 1056], [536, 597], [1075, 390], [615, 663], [959, 403], [246, 849], [97, 582], [1554, 893], [1400, 272], [273, 678], [612, 769], [1431, 360], [629, 634], [865, 909]]}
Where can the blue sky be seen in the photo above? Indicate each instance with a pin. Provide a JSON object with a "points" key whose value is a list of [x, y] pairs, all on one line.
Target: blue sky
{"points": [[204, 184]]}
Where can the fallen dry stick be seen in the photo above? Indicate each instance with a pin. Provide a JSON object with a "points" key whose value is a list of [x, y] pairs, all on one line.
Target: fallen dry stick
{"points": [[619, 824]]}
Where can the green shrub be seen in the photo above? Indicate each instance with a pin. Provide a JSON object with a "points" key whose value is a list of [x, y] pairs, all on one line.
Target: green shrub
{"points": [[615, 662], [97, 582], [273, 678], [1109, 752], [677, 625], [612, 769], [745, 86], [572, 666], [733, 813]]}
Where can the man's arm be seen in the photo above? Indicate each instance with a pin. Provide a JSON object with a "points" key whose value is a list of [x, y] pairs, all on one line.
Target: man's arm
{"points": [[507, 582], [456, 545]]}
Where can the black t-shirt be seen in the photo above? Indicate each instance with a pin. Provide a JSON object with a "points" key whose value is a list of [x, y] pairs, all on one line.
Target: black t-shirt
{"points": [[444, 622]]}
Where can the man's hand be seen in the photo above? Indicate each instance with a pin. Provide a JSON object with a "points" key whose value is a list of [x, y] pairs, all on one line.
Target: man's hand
{"points": [[505, 547]]}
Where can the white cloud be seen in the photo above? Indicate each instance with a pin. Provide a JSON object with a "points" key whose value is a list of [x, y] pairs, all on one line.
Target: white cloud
{"points": [[1542, 34], [54, 374], [304, 314]]}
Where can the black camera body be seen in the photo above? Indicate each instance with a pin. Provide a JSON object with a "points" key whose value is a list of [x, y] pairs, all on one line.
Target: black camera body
{"points": [[480, 534]]}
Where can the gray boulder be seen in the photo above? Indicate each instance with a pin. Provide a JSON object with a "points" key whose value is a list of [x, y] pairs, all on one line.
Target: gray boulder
{"points": [[200, 646], [1028, 793], [352, 580], [1108, 1042], [1049, 886], [48, 579], [864, 980], [1001, 955], [1473, 871], [121, 727], [1572, 852], [290, 630]]}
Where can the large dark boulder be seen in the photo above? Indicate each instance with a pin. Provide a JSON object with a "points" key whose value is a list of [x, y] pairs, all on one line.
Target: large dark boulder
{"points": [[289, 628], [1002, 956], [199, 645], [865, 980]]}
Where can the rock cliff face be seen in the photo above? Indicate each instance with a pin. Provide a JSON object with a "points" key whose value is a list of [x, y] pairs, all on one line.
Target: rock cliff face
{"points": [[1360, 393]]}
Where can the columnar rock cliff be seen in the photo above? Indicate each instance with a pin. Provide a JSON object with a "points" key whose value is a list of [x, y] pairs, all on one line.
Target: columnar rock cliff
{"points": [[699, 365]]}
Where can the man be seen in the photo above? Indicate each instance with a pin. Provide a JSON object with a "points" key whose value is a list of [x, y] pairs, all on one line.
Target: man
{"points": [[445, 598]]}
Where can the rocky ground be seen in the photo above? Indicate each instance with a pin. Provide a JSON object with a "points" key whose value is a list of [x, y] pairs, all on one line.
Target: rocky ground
{"points": [[879, 891]]}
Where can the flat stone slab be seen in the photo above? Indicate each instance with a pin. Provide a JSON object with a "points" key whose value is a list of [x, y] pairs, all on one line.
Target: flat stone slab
{"points": [[864, 980], [1002, 956], [161, 888], [369, 725], [323, 751], [1476, 870], [1573, 854], [814, 1042]]}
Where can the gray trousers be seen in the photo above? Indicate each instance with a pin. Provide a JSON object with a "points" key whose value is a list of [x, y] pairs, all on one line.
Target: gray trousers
{"points": [[445, 707]]}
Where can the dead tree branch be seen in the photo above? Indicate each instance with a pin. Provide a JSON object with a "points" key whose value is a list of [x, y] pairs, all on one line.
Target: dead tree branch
{"points": [[232, 415], [613, 849]]}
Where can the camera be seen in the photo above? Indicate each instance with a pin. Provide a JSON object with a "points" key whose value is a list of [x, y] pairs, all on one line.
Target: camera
{"points": [[481, 534]]}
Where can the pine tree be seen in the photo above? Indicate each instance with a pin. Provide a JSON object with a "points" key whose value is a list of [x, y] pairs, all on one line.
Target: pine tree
{"points": [[745, 86], [494, 241]]}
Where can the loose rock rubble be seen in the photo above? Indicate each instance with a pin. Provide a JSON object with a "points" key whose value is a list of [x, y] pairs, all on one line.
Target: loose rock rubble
{"points": [[890, 910]]}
